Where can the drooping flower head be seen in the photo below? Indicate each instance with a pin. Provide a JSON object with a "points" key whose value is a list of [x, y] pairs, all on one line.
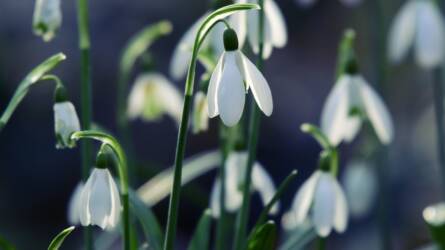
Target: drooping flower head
{"points": [[100, 201], [66, 120], [235, 170], [47, 18], [418, 24], [233, 76], [152, 96]]}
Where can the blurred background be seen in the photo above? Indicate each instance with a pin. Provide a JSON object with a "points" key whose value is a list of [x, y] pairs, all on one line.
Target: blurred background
{"points": [[36, 180]]}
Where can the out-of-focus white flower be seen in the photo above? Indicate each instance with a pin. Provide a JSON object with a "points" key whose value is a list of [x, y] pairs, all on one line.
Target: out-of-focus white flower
{"points": [[348, 3], [275, 31], [200, 113], [66, 122], [233, 76], [235, 172], [99, 201], [360, 184], [434, 215], [419, 23], [47, 18], [323, 196], [182, 53], [350, 100], [152, 96], [74, 205]]}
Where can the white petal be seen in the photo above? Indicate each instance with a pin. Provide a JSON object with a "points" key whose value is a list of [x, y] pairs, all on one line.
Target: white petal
{"points": [[303, 200], [263, 183], [115, 212], [276, 22], [336, 111], [182, 53], [66, 122], [84, 207], [74, 205], [341, 209], [136, 99], [257, 83], [215, 80], [231, 92], [100, 199], [215, 204], [324, 205], [235, 166], [402, 32], [430, 36], [169, 97], [377, 113]]}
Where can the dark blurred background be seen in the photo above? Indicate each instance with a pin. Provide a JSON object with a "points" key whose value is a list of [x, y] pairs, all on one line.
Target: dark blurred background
{"points": [[36, 180]]}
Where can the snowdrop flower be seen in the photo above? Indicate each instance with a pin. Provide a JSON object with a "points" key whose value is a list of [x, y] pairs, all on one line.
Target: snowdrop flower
{"points": [[275, 31], [66, 120], [418, 24], [360, 182], [74, 205], [99, 201], [233, 76], [348, 3], [181, 55], [152, 96], [47, 18], [235, 171], [350, 100], [322, 195], [200, 113]]}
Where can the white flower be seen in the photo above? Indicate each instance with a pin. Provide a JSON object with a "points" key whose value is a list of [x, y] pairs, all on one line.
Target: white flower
{"points": [[350, 99], [152, 96], [47, 18], [322, 195], [348, 3], [179, 62], [233, 76], [275, 31], [434, 215], [360, 182], [66, 122], [99, 201], [74, 205], [200, 113], [235, 172], [419, 24]]}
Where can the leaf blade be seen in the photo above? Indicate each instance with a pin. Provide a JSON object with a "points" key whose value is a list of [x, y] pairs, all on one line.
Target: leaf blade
{"points": [[57, 242], [201, 236], [264, 238]]}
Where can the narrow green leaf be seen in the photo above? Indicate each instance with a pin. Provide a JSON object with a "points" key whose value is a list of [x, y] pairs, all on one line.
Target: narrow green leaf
{"points": [[201, 236], [33, 77], [283, 186], [148, 221], [56, 243], [140, 42], [5, 245], [159, 187], [264, 238]]}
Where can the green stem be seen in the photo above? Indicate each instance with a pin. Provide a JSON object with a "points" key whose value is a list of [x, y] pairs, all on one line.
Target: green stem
{"points": [[220, 231], [86, 113], [122, 171], [321, 243], [254, 125], [439, 109]]}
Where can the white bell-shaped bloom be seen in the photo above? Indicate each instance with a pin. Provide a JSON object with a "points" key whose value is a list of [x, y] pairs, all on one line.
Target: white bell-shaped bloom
{"points": [[418, 24], [350, 100], [47, 18], [100, 203], [323, 197], [182, 53], [152, 96], [233, 76], [348, 3], [66, 122], [275, 30], [360, 182], [200, 113], [74, 205], [235, 172]]}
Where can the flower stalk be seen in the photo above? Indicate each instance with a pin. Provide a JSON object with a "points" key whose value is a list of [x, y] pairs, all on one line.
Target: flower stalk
{"points": [[122, 170], [203, 31], [254, 125]]}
